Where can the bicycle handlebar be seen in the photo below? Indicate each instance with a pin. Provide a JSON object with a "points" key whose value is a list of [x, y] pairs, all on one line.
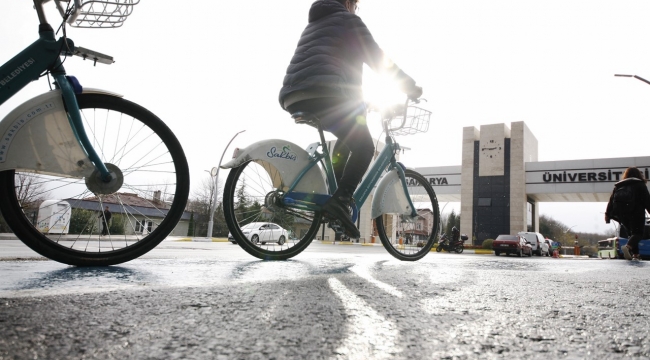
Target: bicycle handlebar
{"points": [[95, 56]]}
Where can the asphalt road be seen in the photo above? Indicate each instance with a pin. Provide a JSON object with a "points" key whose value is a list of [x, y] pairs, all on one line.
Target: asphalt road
{"points": [[214, 301]]}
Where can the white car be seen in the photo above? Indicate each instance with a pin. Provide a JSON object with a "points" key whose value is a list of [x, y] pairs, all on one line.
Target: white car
{"points": [[262, 233], [535, 240]]}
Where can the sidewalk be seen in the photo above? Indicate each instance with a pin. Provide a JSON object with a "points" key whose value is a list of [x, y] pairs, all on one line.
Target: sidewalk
{"points": [[8, 236]]}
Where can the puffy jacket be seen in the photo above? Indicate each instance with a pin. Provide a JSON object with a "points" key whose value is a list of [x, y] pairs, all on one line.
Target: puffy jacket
{"points": [[328, 61]]}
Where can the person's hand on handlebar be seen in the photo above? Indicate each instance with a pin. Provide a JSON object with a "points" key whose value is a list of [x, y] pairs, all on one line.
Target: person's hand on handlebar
{"points": [[414, 93]]}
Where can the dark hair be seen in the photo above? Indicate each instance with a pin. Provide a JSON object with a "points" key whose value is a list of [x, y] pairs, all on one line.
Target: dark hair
{"points": [[344, 1], [633, 172]]}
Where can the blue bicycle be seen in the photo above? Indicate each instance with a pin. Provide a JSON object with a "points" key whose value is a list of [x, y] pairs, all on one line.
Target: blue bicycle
{"points": [[72, 152], [276, 183]]}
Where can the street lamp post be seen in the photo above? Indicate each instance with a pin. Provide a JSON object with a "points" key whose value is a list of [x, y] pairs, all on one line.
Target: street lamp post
{"points": [[567, 230], [441, 211], [215, 173]]}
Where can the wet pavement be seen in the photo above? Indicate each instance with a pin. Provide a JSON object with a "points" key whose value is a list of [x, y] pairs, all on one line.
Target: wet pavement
{"points": [[212, 300]]}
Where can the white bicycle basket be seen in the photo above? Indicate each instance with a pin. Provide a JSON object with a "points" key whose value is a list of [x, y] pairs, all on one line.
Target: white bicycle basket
{"points": [[103, 13], [417, 121]]}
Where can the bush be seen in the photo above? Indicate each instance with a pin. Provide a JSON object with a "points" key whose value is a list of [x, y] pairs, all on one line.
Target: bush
{"points": [[487, 244], [117, 223], [83, 222]]}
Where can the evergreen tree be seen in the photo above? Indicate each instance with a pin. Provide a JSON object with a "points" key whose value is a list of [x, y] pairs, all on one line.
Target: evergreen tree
{"points": [[220, 226], [244, 208], [452, 220], [4, 228], [190, 226]]}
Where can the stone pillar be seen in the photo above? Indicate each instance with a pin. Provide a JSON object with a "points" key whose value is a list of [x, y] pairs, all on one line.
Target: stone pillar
{"points": [[470, 136], [523, 149]]}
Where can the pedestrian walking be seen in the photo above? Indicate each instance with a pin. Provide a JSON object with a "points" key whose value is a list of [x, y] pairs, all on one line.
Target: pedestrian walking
{"points": [[627, 205], [105, 218]]}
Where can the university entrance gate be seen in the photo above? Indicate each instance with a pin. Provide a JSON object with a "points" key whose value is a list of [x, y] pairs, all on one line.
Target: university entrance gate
{"points": [[500, 182]]}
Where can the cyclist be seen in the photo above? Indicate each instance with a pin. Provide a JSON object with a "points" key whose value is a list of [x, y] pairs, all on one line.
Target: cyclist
{"points": [[324, 78]]}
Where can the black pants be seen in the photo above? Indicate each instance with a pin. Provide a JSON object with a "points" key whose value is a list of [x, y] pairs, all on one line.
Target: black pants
{"points": [[634, 233], [104, 227], [354, 149]]}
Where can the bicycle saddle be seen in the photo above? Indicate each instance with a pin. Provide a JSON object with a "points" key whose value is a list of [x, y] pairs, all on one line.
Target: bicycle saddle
{"points": [[306, 118]]}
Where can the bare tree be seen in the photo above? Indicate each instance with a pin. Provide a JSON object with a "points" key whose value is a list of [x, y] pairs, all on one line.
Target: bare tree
{"points": [[200, 203], [29, 189]]}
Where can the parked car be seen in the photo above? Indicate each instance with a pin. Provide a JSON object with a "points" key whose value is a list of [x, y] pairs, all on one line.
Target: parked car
{"points": [[511, 244], [535, 239], [549, 248], [262, 233]]}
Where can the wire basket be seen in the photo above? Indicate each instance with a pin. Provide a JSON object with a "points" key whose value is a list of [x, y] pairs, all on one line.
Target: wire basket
{"points": [[417, 121], [104, 13]]}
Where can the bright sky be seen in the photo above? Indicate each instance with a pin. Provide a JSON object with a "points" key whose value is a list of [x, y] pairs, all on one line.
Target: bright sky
{"points": [[212, 68]]}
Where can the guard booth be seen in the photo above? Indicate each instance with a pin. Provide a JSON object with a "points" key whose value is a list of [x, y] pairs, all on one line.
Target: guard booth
{"points": [[54, 217]]}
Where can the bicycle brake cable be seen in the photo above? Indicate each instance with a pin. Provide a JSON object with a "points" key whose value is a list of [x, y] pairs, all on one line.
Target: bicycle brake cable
{"points": [[66, 15]]}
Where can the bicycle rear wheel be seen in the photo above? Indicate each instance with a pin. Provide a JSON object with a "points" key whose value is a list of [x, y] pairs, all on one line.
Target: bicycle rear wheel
{"points": [[146, 200], [258, 222], [393, 229]]}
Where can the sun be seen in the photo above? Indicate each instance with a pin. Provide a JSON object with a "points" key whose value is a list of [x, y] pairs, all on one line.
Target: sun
{"points": [[381, 90]]}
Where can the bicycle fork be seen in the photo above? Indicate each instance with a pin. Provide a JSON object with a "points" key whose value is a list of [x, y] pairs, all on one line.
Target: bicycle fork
{"points": [[69, 88]]}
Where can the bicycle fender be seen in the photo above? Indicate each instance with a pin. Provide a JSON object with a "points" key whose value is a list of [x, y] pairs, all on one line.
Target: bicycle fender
{"points": [[389, 197], [36, 136], [284, 162], [100, 91]]}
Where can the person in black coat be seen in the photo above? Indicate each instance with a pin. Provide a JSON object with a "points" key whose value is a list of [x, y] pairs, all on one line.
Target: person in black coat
{"points": [[105, 217], [324, 78], [634, 219]]}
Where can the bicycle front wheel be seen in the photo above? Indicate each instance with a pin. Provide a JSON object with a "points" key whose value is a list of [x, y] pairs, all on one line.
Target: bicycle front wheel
{"points": [[395, 229], [257, 220], [59, 217]]}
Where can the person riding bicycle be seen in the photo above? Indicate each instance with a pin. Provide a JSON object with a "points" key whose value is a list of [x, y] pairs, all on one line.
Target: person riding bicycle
{"points": [[324, 78]]}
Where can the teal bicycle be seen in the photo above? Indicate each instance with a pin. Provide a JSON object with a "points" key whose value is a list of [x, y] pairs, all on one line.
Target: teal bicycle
{"points": [[75, 151], [276, 183]]}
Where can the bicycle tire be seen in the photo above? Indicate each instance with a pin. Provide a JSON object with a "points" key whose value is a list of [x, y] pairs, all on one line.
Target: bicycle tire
{"points": [[429, 214], [127, 150], [249, 198]]}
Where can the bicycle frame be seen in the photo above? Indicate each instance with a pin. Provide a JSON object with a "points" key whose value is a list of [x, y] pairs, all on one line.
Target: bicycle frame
{"points": [[384, 161], [43, 55]]}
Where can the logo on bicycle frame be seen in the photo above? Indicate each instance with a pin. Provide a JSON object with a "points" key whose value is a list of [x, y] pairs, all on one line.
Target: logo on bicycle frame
{"points": [[286, 153], [4, 81]]}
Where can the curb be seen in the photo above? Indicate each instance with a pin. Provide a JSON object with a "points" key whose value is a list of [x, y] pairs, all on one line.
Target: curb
{"points": [[201, 239], [433, 249]]}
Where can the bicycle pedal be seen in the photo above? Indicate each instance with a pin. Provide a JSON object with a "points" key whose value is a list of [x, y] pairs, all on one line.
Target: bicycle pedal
{"points": [[336, 226]]}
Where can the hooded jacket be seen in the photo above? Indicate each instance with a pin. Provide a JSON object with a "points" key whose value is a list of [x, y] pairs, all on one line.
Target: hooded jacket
{"points": [[328, 61]]}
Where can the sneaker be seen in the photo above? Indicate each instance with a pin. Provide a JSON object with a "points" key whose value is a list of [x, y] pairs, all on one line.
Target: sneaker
{"points": [[627, 252], [636, 257], [341, 212]]}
